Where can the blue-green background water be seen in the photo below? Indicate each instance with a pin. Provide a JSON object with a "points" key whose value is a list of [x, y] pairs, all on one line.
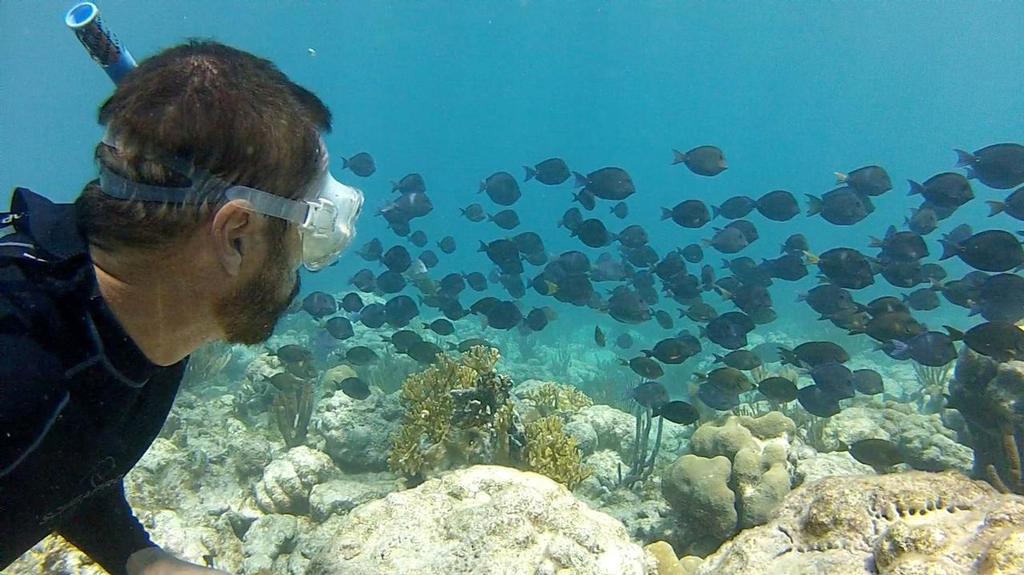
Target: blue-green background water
{"points": [[792, 91]]}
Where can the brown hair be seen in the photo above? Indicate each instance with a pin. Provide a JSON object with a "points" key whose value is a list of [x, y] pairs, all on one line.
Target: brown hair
{"points": [[214, 109]]}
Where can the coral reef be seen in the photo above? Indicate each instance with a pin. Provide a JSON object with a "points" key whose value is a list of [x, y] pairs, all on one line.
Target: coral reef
{"points": [[925, 442], [810, 466], [990, 396], [735, 478], [556, 399], [457, 413], [915, 522], [292, 406], [206, 363], [551, 452], [933, 380], [461, 412], [484, 519], [357, 433], [642, 459], [602, 427], [339, 496], [665, 558], [287, 481]]}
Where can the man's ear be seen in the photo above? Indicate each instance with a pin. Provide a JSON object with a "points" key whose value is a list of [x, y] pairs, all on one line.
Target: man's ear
{"points": [[230, 231]]}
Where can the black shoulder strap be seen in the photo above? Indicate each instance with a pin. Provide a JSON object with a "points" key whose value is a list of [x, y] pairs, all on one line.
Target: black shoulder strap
{"points": [[43, 231], [14, 241]]}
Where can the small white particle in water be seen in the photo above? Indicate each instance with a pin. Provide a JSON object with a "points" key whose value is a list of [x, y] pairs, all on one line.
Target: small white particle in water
{"points": [[311, 51]]}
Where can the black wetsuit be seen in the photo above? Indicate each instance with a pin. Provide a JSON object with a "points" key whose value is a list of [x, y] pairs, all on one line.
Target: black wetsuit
{"points": [[79, 402]]}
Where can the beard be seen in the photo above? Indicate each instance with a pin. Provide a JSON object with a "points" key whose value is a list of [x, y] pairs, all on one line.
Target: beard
{"points": [[250, 312]]}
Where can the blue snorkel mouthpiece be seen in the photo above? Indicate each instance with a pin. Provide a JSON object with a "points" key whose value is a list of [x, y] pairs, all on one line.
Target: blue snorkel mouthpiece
{"points": [[84, 20]]}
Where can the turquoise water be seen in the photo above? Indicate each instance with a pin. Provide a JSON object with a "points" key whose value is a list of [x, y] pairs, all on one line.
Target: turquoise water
{"points": [[791, 91]]}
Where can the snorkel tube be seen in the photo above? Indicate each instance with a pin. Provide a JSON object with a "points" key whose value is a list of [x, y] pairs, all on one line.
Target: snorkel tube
{"points": [[104, 48]]}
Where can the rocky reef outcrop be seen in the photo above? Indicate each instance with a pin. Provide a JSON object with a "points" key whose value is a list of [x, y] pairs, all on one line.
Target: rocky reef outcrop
{"points": [[484, 519], [990, 396], [895, 524], [924, 441]]}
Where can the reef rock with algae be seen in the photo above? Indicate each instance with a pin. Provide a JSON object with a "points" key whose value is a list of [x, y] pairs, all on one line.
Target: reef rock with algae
{"points": [[484, 519], [895, 524]]}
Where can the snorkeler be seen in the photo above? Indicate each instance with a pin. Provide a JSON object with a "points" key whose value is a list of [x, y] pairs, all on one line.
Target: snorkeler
{"points": [[213, 189]]}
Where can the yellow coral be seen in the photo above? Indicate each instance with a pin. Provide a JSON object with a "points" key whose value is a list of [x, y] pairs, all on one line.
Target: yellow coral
{"points": [[429, 406], [552, 452], [552, 398]]}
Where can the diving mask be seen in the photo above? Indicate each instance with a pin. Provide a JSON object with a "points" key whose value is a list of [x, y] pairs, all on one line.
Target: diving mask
{"points": [[326, 220]]}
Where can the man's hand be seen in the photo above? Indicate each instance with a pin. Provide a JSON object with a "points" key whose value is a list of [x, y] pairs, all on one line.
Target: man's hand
{"points": [[156, 561]]}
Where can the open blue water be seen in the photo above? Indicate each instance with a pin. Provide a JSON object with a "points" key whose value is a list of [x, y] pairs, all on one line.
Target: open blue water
{"points": [[792, 91]]}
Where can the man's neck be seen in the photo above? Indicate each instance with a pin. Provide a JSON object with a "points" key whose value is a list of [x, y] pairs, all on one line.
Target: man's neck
{"points": [[160, 309]]}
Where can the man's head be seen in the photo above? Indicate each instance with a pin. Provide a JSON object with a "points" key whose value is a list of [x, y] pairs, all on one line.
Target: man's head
{"points": [[204, 112]]}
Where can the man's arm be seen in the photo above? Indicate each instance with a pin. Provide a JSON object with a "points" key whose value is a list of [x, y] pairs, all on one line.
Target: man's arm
{"points": [[104, 528]]}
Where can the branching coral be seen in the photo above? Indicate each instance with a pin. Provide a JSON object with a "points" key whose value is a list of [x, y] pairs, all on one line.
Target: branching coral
{"points": [[555, 399], [552, 452], [457, 412]]}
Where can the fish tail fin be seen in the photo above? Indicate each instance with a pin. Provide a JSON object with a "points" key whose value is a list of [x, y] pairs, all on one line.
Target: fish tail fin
{"points": [[814, 205], [875, 242], [964, 158], [483, 186], [718, 358], [678, 157], [841, 177], [787, 356], [915, 188], [995, 207], [530, 173], [811, 258], [581, 180], [954, 333], [666, 213], [344, 163], [715, 212], [949, 249]]}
